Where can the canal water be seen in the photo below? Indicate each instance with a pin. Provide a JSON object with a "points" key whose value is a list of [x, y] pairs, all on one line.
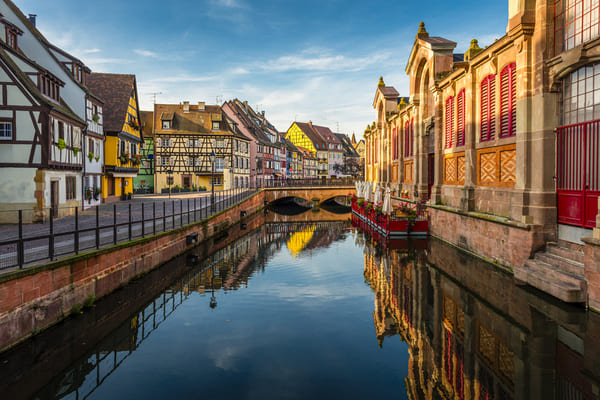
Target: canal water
{"points": [[297, 307]]}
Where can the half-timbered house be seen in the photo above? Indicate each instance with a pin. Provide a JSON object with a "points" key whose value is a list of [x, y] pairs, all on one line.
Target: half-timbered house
{"points": [[185, 137], [42, 120], [122, 130]]}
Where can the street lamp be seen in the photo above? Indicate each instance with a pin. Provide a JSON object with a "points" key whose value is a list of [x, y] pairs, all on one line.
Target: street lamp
{"points": [[212, 180]]}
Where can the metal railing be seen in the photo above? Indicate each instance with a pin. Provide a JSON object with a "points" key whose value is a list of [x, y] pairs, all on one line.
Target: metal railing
{"points": [[24, 244]]}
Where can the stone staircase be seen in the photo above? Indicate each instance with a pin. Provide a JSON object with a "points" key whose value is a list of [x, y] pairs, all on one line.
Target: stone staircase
{"points": [[557, 271]]}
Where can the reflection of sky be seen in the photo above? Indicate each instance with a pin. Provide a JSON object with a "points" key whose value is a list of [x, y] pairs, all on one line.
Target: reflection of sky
{"points": [[303, 328]]}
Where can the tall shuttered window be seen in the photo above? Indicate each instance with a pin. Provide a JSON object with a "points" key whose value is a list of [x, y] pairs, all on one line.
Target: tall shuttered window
{"points": [[508, 109], [408, 138], [395, 144], [488, 108], [449, 125], [460, 116]]}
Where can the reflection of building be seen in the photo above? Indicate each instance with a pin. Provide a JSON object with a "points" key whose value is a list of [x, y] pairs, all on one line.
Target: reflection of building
{"points": [[482, 338]]}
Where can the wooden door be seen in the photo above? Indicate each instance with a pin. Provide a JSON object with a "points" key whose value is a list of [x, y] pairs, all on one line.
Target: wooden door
{"points": [[54, 199]]}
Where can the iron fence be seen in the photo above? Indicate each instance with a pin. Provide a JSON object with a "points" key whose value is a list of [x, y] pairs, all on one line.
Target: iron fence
{"points": [[24, 244]]}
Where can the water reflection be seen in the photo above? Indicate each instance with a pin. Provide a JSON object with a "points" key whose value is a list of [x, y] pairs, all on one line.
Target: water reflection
{"points": [[90, 347], [473, 334]]}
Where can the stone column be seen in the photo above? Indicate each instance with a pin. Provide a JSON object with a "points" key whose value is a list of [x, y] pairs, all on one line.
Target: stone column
{"points": [[467, 198], [436, 190], [592, 264]]}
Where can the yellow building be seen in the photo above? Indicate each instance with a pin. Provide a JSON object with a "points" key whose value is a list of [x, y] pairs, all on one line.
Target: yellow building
{"points": [[304, 135], [122, 130]]}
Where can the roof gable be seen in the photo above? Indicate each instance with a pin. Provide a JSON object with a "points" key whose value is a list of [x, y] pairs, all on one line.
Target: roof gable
{"points": [[116, 90]]}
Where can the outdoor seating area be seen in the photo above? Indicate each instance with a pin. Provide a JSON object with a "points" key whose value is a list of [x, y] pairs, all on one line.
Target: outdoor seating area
{"points": [[406, 219]]}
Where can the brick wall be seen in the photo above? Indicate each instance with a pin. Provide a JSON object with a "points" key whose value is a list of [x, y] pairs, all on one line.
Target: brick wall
{"points": [[509, 244], [35, 298]]}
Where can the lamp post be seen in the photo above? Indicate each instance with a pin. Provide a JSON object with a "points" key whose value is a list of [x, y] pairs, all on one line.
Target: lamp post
{"points": [[212, 180]]}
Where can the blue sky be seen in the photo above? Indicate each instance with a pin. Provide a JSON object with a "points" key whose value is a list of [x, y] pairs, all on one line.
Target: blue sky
{"points": [[316, 60]]}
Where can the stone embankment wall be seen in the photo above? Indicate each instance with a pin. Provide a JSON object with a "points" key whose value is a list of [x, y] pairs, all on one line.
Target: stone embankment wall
{"points": [[499, 241], [35, 298]]}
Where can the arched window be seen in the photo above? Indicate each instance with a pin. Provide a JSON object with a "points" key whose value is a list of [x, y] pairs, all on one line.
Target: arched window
{"points": [[449, 121], [488, 108], [460, 116], [508, 95]]}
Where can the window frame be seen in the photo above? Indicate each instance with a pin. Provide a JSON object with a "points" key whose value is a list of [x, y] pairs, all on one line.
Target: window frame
{"points": [[508, 109]]}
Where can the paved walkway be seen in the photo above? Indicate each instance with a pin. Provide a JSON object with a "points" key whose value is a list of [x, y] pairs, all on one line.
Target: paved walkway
{"points": [[180, 209]]}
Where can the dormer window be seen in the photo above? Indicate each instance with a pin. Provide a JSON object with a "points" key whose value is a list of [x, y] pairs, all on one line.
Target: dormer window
{"points": [[12, 33], [49, 87], [166, 124]]}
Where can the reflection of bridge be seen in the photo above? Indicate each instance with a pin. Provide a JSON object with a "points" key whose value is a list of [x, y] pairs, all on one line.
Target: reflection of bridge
{"points": [[315, 195], [308, 216]]}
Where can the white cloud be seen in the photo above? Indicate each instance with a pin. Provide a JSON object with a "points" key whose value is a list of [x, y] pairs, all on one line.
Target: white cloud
{"points": [[145, 53], [91, 51], [227, 3]]}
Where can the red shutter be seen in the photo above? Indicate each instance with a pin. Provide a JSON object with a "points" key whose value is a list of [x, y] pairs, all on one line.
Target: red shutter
{"points": [[507, 101], [449, 121], [406, 133], [488, 108], [460, 105]]}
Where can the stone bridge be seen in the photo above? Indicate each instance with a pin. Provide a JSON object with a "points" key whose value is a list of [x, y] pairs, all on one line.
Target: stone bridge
{"points": [[316, 195]]}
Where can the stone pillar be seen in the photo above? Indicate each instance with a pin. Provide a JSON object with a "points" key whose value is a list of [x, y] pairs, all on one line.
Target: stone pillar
{"points": [[436, 190], [467, 198], [597, 228], [533, 200]]}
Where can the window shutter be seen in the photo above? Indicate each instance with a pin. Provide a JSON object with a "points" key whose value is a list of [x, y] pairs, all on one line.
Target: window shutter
{"points": [[507, 101], [449, 121], [157, 142], [488, 108], [171, 160], [460, 112], [187, 143], [157, 160], [171, 142], [187, 161]]}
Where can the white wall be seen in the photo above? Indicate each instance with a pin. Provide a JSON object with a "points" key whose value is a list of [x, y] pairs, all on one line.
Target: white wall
{"points": [[17, 185]]}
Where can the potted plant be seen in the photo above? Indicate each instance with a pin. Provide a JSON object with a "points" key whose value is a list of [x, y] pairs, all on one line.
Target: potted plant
{"points": [[124, 157], [96, 193], [90, 156], [95, 118], [61, 144], [133, 123], [136, 159], [75, 151], [97, 158], [88, 194]]}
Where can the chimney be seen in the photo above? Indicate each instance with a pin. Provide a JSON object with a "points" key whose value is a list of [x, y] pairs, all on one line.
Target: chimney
{"points": [[246, 104], [310, 123], [31, 18], [262, 113], [186, 106], [201, 106]]}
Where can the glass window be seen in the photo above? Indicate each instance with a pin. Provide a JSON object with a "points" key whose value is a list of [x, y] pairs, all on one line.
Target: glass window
{"points": [[581, 95], [6, 131]]}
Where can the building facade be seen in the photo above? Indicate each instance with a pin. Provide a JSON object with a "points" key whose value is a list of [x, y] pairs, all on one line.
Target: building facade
{"points": [[501, 138], [144, 180], [185, 135], [42, 123], [123, 132]]}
